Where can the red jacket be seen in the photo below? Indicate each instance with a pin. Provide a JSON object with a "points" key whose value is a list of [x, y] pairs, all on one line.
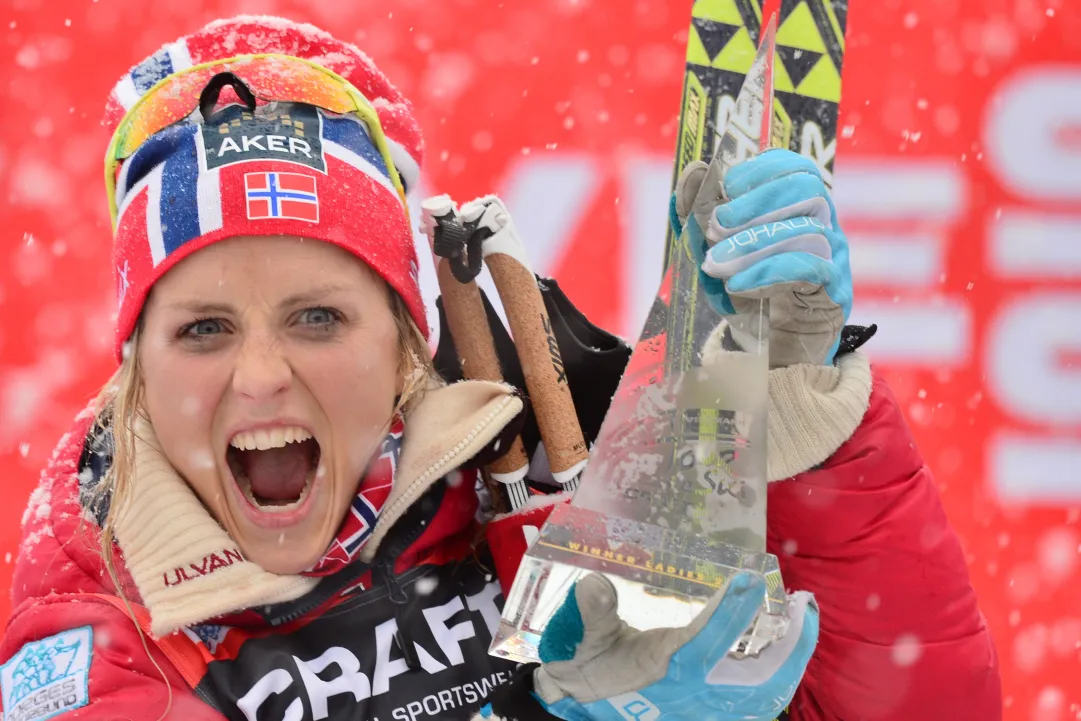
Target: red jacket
{"points": [[901, 635]]}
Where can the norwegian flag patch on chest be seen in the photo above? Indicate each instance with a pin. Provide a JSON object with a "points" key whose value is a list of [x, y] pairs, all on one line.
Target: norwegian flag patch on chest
{"points": [[281, 195]]}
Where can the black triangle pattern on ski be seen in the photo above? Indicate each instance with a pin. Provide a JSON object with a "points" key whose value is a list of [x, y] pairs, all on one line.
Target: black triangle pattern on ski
{"points": [[797, 62], [821, 18], [750, 10], [714, 35], [787, 8]]}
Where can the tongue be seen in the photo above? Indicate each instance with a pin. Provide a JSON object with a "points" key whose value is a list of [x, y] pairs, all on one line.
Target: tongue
{"points": [[277, 474]]}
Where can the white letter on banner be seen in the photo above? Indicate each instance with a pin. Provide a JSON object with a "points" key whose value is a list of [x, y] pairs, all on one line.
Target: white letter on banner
{"points": [[1024, 133], [1028, 348]]}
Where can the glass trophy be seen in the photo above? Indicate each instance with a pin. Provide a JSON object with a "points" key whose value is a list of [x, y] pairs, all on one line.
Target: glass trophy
{"points": [[673, 500]]}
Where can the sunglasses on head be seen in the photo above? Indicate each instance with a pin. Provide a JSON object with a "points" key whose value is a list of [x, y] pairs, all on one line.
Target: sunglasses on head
{"points": [[265, 77]]}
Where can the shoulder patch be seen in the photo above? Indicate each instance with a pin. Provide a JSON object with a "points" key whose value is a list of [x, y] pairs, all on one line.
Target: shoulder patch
{"points": [[48, 677]]}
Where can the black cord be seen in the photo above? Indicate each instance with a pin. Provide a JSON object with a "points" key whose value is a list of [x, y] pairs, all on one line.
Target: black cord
{"points": [[208, 99]]}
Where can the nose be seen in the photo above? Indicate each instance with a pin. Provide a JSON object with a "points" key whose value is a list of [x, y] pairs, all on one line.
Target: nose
{"points": [[262, 371]]}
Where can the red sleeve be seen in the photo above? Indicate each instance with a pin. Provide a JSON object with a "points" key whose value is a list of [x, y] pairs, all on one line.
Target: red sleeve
{"points": [[43, 672], [901, 635], [509, 535]]}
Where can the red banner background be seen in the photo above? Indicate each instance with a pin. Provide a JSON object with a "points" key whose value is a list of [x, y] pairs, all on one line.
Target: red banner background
{"points": [[958, 180]]}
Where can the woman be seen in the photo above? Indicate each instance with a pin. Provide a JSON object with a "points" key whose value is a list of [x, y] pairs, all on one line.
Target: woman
{"points": [[268, 513]]}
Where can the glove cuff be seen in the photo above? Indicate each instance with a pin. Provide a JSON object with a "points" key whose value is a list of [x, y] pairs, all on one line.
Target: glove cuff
{"points": [[813, 410], [516, 701]]}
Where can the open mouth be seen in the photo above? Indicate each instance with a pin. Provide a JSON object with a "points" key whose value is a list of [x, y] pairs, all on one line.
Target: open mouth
{"points": [[274, 467]]}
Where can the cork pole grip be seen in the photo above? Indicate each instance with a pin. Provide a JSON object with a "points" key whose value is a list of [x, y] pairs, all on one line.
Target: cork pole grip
{"points": [[476, 349], [468, 325], [542, 364]]}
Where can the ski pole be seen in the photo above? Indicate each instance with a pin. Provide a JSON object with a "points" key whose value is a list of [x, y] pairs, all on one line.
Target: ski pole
{"points": [[538, 351], [469, 327]]}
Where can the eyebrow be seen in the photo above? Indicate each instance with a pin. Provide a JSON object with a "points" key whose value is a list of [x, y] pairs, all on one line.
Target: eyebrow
{"points": [[313, 295], [198, 308]]}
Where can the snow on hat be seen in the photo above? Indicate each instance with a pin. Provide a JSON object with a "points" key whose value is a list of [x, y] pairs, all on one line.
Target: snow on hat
{"points": [[191, 185]]}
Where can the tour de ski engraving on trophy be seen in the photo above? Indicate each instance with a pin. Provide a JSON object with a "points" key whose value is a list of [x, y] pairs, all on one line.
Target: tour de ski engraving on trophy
{"points": [[673, 499]]}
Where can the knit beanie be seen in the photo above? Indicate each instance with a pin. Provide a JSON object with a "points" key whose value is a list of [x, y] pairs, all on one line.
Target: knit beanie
{"points": [[285, 169]]}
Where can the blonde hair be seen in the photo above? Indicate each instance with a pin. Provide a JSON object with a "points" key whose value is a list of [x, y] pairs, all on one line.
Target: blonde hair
{"points": [[117, 409], [416, 366]]}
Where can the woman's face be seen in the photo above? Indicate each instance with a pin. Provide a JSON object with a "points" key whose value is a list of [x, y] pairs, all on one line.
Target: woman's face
{"points": [[270, 368]]}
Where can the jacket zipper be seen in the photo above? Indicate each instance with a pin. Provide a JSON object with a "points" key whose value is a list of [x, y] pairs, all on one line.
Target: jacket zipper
{"points": [[400, 599], [330, 587], [414, 528]]}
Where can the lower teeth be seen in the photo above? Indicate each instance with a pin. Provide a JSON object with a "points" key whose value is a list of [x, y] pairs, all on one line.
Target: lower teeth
{"points": [[273, 506]]}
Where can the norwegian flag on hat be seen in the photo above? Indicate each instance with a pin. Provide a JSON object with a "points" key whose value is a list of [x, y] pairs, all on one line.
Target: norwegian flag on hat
{"points": [[281, 195], [250, 34]]}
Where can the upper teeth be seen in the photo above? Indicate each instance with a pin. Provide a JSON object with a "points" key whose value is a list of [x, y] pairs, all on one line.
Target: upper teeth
{"points": [[263, 439]]}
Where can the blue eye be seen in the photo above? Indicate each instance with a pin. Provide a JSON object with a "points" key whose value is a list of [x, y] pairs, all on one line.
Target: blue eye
{"points": [[202, 327], [319, 316]]}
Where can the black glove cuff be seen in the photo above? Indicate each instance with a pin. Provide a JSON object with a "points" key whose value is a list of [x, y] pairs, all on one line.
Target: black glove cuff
{"points": [[853, 337], [515, 700]]}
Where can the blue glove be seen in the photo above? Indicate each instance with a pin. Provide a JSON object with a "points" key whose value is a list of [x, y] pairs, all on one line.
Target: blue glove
{"points": [[776, 237], [599, 669]]}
